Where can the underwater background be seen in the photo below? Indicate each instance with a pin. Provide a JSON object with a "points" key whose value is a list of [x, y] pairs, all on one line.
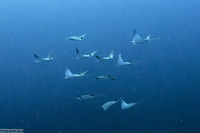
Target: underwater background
{"points": [[36, 97]]}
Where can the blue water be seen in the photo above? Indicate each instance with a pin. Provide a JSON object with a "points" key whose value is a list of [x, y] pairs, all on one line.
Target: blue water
{"points": [[35, 97]]}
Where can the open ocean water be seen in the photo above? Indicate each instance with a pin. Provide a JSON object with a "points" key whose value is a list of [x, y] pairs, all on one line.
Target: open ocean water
{"points": [[35, 97]]}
